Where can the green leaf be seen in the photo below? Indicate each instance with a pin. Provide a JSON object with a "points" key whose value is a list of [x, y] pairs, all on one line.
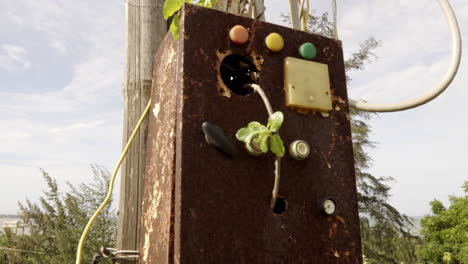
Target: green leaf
{"points": [[264, 143], [256, 126], [276, 145], [202, 3], [211, 3], [275, 121], [171, 7], [175, 27], [207, 3], [242, 134]]}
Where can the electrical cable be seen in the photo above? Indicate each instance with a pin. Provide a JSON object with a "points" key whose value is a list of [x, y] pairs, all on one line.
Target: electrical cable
{"points": [[79, 252], [440, 87]]}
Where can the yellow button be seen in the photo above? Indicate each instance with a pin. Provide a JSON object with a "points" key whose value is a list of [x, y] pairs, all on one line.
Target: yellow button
{"points": [[274, 42]]}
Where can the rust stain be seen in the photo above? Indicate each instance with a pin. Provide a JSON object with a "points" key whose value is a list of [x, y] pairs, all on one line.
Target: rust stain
{"points": [[332, 145], [253, 29], [257, 61], [222, 88], [341, 219], [332, 230], [338, 99]]}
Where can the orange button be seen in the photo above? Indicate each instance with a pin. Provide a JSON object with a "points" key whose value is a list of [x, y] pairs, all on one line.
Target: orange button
{"points": [[239, 34]]}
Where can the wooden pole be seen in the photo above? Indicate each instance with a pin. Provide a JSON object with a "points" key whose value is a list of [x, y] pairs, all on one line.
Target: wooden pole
{"points": [[145, 29], [236, 6], [260, 10], [230, 6], [295, 19]]}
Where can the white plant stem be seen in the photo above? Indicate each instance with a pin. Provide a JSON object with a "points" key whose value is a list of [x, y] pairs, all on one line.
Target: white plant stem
{"points": [[275, 191]]}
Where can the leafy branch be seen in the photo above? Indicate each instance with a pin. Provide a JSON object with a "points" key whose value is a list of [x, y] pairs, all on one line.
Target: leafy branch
{"points": [[259, 138], [172, 8]]}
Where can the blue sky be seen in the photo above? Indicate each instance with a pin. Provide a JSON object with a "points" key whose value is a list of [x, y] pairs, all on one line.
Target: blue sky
{"points": [[61, 73]]}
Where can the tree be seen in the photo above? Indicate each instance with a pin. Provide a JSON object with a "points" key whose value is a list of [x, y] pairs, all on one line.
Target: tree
{"points": [[445, 232], [57, 220], [384, 231]]}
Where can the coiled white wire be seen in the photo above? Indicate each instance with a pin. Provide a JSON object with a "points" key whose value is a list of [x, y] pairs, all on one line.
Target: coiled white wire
{"points": [[440, 87]]}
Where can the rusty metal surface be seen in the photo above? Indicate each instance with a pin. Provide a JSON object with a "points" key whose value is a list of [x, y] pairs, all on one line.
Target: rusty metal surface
{"points": [[157, 213], [221, 206]]}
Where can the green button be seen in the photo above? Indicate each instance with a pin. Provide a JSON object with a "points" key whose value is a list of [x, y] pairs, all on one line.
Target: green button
{"points": [[308, 51]]}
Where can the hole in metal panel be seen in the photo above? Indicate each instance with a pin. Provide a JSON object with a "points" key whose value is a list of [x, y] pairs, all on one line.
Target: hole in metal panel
{"points": [[236, 72], [280, 206]]}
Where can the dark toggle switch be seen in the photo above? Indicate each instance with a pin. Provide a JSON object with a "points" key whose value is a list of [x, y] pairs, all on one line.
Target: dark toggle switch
{"points": [[215, 135]]}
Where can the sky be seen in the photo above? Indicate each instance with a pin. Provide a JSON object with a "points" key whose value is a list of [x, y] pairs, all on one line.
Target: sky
{"points": [[61, 106]]}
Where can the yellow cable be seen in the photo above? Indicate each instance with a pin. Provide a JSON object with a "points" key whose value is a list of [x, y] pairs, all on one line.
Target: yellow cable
{"points": [[79, 251]]}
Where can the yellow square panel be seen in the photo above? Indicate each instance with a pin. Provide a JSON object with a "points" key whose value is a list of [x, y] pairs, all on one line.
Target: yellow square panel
{"points": [[307, 85]]}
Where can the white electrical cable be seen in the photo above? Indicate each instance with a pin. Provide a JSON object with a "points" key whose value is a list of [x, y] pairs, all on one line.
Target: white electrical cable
{"points": [[441, 86]]}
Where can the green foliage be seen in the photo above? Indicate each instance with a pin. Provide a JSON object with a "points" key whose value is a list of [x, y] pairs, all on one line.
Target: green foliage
{"points": [[385, 233], [275, 121], [277, 145], [207, 3], [386, 238], [57, 220], [172, 7], [265, 137], [445, 232], [174, 28]]}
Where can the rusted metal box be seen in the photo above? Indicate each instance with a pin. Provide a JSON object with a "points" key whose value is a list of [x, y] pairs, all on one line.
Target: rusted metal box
{"points": [[200, 205]]}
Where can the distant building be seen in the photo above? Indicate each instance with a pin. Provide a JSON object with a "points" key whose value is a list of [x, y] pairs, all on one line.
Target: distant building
{"points": [[14, 223]]}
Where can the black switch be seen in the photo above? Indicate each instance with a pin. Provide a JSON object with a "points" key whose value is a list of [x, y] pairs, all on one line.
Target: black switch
{"points": [[215, 135]]}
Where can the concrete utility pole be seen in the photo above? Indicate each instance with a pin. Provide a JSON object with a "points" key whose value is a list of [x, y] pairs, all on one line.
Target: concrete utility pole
{"points": [[145, 29]]}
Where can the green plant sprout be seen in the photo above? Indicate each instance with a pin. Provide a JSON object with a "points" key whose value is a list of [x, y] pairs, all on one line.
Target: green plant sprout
{"points": [[172, 8], [259, 138]]}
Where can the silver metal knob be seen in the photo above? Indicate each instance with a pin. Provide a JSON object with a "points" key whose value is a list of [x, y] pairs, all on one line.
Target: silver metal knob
{"points": [[299, 149]]}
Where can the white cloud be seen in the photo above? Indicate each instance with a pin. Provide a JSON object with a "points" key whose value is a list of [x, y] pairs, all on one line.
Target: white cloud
{"points": [[17, 20], [14, 58], [62, 130], [424, 148], [59, 46]]}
